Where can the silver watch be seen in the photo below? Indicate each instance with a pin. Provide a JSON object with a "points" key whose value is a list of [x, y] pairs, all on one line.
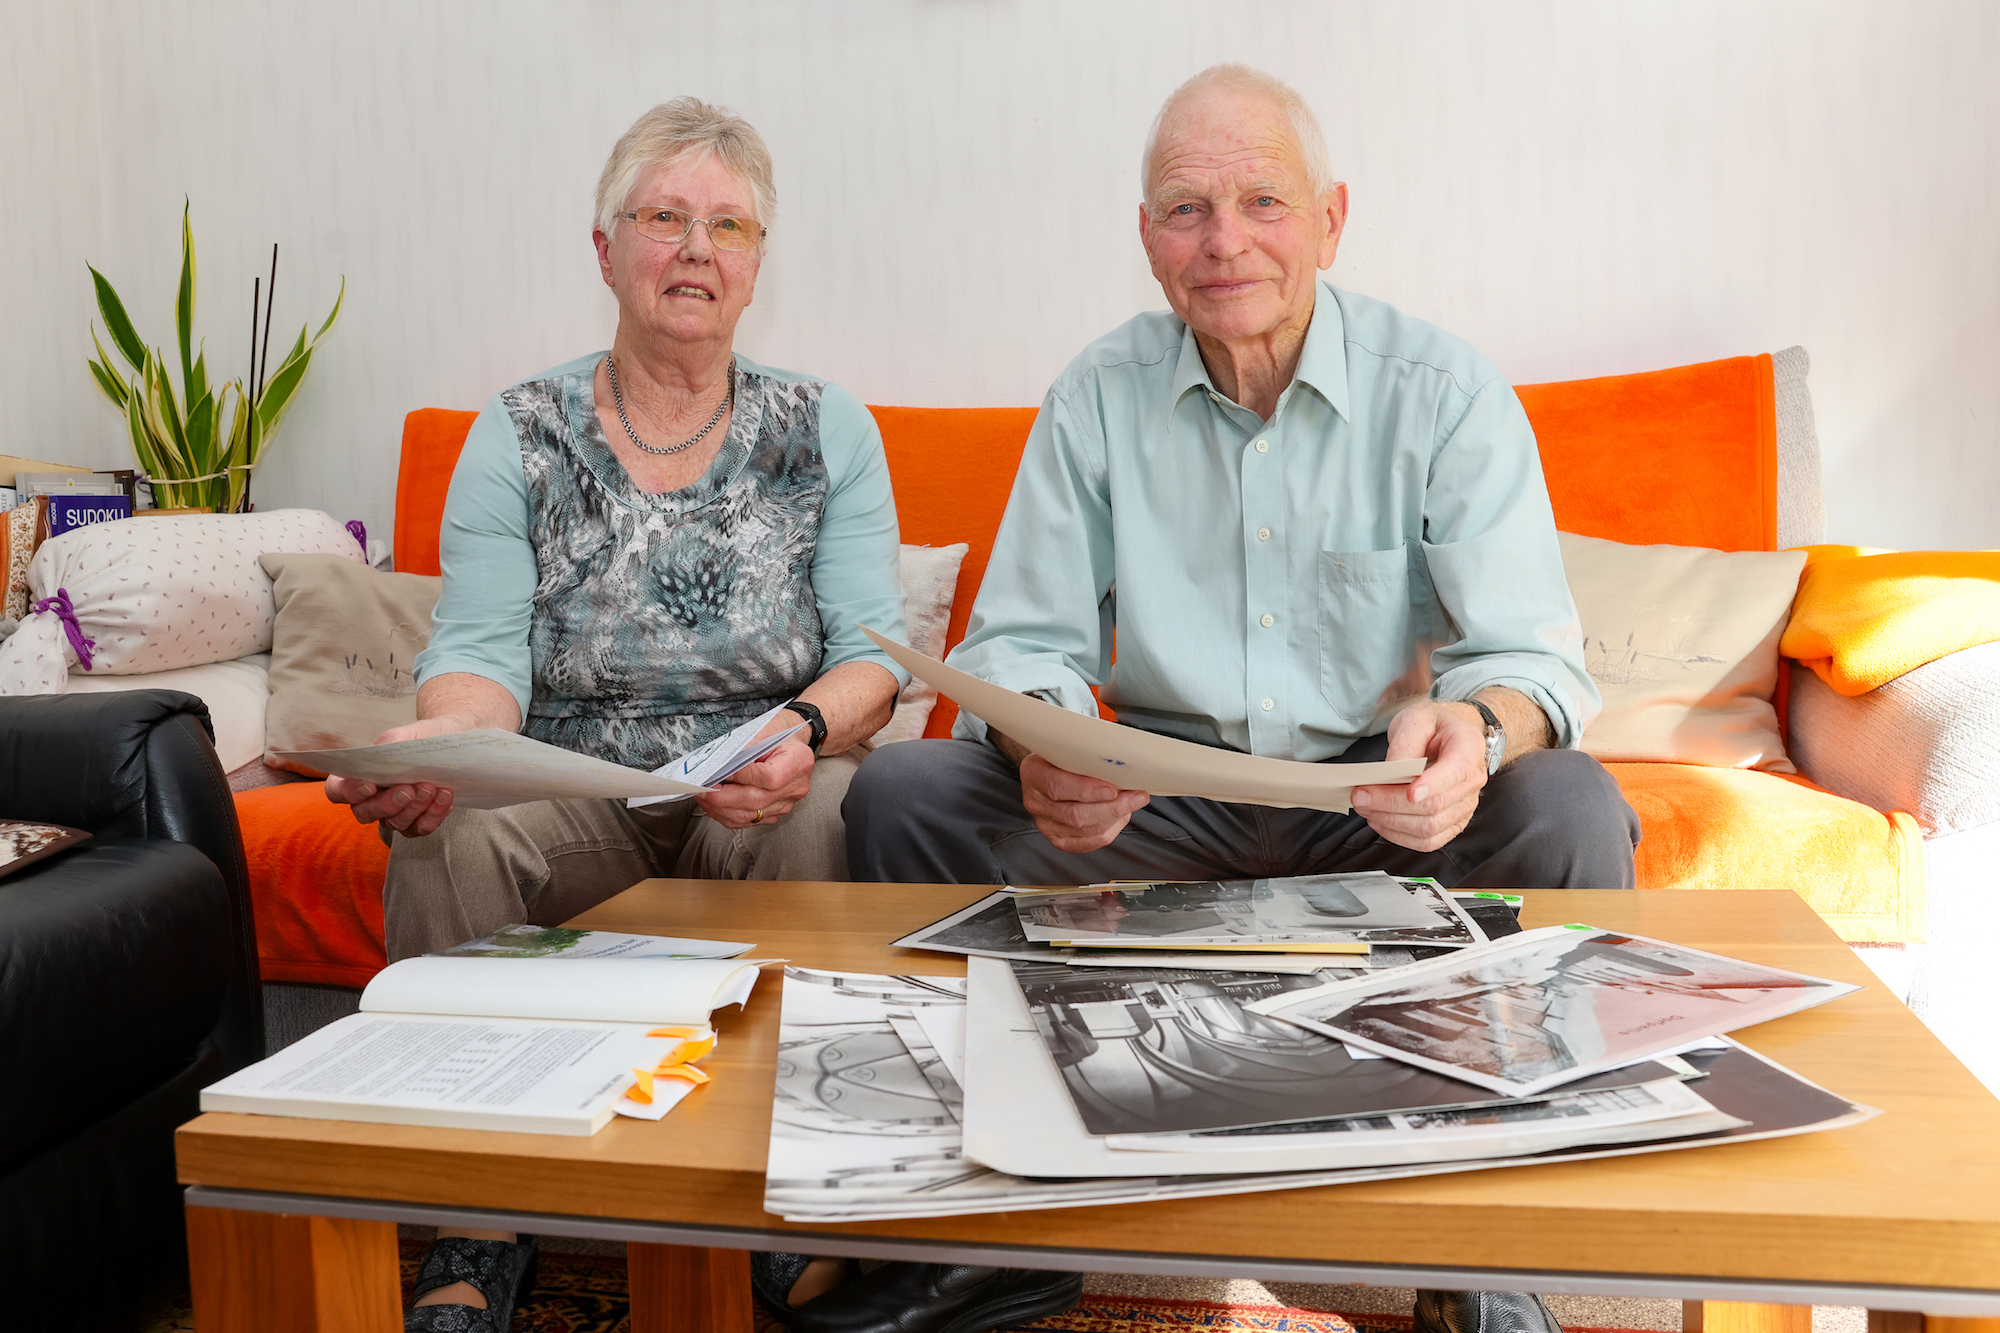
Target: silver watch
{"points": [[1496, 738]]}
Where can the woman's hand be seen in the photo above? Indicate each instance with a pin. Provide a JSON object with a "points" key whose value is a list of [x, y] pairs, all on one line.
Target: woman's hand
{"points": [[412, 809], [764, 790]]}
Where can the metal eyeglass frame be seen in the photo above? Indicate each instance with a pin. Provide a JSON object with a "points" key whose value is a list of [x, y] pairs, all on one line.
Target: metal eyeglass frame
{"points": [[763, 232]]}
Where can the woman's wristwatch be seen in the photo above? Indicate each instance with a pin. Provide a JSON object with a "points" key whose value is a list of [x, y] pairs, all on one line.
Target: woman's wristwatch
{"points": [[815, 723]]}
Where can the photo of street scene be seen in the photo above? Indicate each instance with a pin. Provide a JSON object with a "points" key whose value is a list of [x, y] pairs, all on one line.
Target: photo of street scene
{"points": [[1176, 1051], [1560, 1004], [1307, 907]]}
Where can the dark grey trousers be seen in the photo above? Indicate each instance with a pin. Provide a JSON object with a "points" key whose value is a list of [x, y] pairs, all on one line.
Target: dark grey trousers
{"points": [[949, 812]]}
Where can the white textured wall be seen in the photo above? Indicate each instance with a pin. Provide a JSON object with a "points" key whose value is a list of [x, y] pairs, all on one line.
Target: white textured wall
{"points": [[1578, 188]]}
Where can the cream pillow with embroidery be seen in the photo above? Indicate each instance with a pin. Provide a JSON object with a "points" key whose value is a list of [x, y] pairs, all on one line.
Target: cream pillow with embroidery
{"points": [[1683, 644]]}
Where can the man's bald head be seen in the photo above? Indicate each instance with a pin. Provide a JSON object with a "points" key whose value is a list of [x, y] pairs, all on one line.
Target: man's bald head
{"points": [[1239, 82]]}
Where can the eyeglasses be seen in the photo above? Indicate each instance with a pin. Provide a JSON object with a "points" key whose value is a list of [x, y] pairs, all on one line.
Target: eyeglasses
{"points": [[671, 226]]}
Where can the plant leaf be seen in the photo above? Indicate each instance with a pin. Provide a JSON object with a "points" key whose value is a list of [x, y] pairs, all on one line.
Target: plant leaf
{"points": [[109, 384], [278, 390], [198, 381], [201, 431], [119, 324], [238, 452], [184, 303], [334, 313]]}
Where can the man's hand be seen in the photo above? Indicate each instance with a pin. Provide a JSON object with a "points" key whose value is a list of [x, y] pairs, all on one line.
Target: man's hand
{"points": [[1075, 813], [764, 790], [412, 809], [1437, 806]]}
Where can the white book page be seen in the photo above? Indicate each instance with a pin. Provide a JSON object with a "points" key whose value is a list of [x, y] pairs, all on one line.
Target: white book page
{"points": [[944, 1025], [489, 768], [425, 1069], [1141, 760], [604, 990]]}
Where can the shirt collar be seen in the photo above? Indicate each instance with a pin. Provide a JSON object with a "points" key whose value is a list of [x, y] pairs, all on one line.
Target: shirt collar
{"points": [[1322, 362]]}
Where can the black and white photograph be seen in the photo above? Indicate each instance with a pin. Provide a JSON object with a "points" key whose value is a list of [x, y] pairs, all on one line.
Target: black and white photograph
{"points": [[1249, 911], [1177, 1051], [989, 928], [1547, 1006]]}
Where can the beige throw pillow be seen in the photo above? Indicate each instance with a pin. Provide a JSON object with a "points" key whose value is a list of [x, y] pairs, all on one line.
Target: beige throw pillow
{"points": [[930, 575], [343, 652], [1683, 644]]}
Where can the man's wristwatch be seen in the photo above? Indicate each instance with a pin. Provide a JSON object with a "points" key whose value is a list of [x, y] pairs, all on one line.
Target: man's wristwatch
{"points": [[1496, 738], [815, 723]]}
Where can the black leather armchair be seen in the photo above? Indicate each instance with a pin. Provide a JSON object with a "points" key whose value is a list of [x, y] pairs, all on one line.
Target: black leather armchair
{"points": [[128, 982]]}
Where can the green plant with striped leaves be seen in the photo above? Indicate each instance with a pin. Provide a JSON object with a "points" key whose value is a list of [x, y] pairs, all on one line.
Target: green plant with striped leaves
{"points": [[178, 432]]}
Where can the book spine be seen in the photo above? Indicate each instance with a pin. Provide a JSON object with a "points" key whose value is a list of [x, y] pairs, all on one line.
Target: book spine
{"points": [[70, 512]]}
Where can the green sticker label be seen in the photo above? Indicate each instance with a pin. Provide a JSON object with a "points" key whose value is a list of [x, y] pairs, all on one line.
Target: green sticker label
{"points": [[1577, 925]]}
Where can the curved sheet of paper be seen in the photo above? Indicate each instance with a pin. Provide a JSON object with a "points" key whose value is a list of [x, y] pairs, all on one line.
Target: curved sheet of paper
{"points": [[489, 768], [1142, 760]]}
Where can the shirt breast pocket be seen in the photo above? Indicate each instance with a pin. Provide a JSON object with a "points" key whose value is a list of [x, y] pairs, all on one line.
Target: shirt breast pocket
{"points": [[1364, 628]]}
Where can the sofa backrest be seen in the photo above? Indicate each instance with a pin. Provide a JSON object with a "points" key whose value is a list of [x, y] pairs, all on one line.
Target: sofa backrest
{"points": [[1719, 454]]}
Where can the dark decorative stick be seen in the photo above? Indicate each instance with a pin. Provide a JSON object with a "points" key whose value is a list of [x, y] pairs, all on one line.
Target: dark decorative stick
{"points": [[257, 287], [270, 299]]}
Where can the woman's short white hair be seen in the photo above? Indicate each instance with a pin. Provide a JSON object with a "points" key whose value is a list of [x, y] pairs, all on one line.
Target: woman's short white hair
{"points": [[1242, 78], [673, 131]]}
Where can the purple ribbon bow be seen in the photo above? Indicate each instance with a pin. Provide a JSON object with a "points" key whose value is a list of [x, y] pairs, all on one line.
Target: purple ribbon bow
{"points": [[66, 613]]}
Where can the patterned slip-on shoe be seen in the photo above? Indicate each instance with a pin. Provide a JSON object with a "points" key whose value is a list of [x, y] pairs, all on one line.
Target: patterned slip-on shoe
{"points": [[503, 1271], [773, 1274], [1483, 1312]]}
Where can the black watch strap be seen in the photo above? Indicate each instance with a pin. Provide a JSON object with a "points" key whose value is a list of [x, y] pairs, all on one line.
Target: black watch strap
{"points": [[815, 723], [1496, 737]]}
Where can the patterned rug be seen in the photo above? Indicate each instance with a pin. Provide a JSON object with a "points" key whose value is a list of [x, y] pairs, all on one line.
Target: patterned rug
{"points": [[586, 1293]]}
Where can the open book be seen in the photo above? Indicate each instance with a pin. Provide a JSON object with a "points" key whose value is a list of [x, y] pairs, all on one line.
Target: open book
{"points": [[509, 1043]]}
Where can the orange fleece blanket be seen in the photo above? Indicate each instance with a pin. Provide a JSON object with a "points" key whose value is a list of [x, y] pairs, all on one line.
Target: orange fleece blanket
{"points": [[1863, 618]]}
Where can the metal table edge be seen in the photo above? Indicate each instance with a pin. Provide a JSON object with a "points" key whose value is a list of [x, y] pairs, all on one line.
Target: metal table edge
{"points": [[1962, 1302]]}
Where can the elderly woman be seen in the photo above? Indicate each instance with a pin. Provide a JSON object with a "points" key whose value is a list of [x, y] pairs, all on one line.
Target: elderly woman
{"points": [[642, 550]]}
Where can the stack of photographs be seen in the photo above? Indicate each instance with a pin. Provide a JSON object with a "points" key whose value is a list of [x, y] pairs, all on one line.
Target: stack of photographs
{"points": [[1331, 913], [1039, 1085], [995, 927]]}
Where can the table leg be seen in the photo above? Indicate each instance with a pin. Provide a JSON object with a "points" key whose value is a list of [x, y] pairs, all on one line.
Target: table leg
{"points": [[686, 1289], [286, 1273], [1742, 1317]]}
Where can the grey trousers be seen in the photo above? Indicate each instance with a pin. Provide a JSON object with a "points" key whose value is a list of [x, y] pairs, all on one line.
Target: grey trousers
{"points": [[546, 861], [949, 812]]}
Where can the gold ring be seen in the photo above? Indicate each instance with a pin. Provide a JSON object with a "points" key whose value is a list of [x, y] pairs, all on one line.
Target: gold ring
{"points": [[757, 818]]}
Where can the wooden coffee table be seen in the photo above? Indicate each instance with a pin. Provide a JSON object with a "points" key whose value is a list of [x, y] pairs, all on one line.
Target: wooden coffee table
{"points": [[292, 1222]]}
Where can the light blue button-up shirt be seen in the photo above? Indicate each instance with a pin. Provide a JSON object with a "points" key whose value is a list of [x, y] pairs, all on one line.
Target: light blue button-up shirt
{"points": [[1280, 587]]}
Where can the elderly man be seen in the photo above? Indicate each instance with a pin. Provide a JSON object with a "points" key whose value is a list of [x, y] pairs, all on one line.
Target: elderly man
{"points": [[1319, 531]]}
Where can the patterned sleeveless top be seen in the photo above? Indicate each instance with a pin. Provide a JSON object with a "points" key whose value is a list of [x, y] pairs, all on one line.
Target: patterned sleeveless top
{"points": [[662, 621]]}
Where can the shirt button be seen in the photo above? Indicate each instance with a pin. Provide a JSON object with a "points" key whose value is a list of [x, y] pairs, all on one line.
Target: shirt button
{"points": [[1269, 704], [1268, 621], [1263, 534], [1263, 446]]}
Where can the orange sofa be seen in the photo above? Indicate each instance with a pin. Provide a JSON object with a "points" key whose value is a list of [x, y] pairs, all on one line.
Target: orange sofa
{"points": [[1704, 455]]}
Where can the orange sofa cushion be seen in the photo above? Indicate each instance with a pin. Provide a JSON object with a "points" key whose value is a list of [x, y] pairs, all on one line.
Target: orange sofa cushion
{"points": [[316, 885], [1686, 456], [1732, 828]]}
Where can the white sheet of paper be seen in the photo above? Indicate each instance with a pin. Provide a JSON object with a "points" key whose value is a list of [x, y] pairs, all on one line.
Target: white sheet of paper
{"points": [[489, 768], [945, 1026], [720, 759], [1141, 760]]}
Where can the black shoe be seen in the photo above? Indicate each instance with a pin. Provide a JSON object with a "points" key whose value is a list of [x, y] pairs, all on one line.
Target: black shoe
{"points": [[774, 1274], [1483, 1312], [938, 1298], [502, 1270]]}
